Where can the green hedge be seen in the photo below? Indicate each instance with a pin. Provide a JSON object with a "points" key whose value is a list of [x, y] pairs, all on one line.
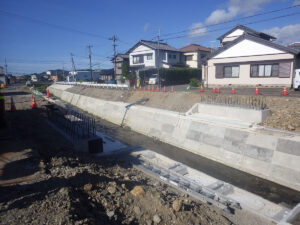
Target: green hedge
{"points": [[173, 76]]}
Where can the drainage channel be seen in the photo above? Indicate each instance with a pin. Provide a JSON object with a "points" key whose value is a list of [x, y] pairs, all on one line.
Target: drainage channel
{"points": [[266, 189]]}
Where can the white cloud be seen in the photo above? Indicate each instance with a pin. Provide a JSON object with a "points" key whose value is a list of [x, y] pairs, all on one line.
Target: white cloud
{"points": [[235, 8], [146, 27], [197, 30], [232, 9], [296, 2], [285, 35]]}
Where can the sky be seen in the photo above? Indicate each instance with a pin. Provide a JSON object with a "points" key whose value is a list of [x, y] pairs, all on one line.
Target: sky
{"points": [[38, 35]]}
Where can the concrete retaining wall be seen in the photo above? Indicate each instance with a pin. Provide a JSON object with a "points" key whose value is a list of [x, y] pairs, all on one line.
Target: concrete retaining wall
{"points": [[272, 155]]}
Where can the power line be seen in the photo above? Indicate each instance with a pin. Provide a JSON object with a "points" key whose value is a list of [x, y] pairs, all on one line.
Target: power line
{"points": [[233, 20], [33, 20], [219, 29]]}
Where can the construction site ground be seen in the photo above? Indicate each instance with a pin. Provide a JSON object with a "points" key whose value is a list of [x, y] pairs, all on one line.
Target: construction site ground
{"points": [[44, 181]]}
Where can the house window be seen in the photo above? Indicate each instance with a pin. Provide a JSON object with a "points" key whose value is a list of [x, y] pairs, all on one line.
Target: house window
{"points": [[264, 70], [231, 71], [149, 56], [170, 56], [189, 57], [174, 56], [138, 59]]}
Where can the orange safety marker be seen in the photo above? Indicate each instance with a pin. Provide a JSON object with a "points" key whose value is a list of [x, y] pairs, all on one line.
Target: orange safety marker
{"points": [[149, 88], [145, 89], [232, 90], [172, 89], [201, 88], [157, 89], [218, 90], [152, 88], [284, 92], [165, 89], [140, 88], [33, 103], [214, 90], [12, 105], [48, 93], [256, 91]]}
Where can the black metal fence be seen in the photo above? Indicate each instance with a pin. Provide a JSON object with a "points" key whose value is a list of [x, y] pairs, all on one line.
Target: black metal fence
{"points": [[77, 125]]}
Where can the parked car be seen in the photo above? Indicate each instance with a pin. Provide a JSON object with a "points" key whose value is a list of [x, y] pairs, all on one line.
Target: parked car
{"points": [[296, 81], [153, 79]]}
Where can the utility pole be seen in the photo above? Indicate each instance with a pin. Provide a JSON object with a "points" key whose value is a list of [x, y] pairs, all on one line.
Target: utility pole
{"points": [[73, 67], [5, 65], [158, 64], [114, 39], [90, 57], [63, 71]]}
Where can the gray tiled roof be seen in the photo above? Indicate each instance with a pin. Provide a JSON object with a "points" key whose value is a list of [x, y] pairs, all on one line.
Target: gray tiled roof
{"points": [[162, 46]]}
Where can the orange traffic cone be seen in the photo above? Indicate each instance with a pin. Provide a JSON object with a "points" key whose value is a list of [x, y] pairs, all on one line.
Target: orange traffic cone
{"points": [[284, 92], [214, 90], [33, 103], [201, 88], [145, 89], [165, 89], [152, 88], [157, 89], [12, 105], [256, 91], [48, 93], [172, 89], [232, 91], [149, 88], [140, 88], [134, 87], [218, 90]]}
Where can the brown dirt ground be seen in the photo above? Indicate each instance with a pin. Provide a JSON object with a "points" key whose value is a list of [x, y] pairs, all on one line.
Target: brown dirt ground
{"points": [[284, 111]]}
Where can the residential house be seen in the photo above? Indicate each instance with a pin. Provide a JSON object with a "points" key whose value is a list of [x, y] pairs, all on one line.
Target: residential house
{"points": [[146, 55], [118, 62], [194, 54], [249, 57]]}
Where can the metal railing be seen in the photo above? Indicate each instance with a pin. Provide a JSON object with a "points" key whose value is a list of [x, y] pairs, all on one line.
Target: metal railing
{"points": [[77, 125], [93, 85]]}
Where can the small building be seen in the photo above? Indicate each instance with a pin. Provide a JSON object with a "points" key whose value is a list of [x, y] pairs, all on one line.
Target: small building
{"points": [[84, 75], [118, 63], [194, 54], [1, 70], [150, 55], [3, 79], [249, 57]]}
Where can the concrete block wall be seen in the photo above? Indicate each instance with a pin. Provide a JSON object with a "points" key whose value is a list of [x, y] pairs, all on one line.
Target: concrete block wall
{"points": [[272, 155]]}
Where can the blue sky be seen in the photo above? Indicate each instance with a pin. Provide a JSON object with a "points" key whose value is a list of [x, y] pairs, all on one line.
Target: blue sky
{"points": [[37, 35]]}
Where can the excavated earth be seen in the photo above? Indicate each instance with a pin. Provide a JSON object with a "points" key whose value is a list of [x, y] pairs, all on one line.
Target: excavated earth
{"points": [[284, 110]]}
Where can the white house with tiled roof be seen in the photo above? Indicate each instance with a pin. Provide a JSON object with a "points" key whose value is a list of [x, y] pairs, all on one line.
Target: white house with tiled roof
{"points": [[150, 55], [249, 57]]}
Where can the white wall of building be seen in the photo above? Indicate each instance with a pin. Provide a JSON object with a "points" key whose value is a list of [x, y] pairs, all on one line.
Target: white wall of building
{"points": [[143, 50], [247, 48]]}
